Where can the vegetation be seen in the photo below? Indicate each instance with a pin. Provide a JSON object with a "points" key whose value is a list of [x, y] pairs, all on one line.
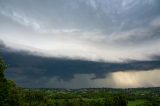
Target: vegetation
{"points": [[10, 95]]}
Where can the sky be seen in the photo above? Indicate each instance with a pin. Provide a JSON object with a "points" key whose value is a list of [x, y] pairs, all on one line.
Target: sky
{"points": [[81, 43]]}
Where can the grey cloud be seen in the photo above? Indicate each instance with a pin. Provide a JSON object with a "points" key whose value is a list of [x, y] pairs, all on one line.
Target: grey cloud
{"points": [[128, 79], [59, 39], [2, 45], [79, 14], [60, 14], [26, 68]]}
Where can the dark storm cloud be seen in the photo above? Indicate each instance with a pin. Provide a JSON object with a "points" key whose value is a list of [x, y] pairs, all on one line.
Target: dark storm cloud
{"points": [[25, 68]]}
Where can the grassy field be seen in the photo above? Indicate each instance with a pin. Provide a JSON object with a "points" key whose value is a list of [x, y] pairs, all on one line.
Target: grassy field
{"points": [[136, 102]]}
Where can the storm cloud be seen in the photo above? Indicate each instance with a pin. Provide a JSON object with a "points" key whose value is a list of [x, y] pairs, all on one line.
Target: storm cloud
{"points": [[59, 39], [30, 69]]}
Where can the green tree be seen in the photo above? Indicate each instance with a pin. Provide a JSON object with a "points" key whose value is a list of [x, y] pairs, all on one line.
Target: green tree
{"points": [[2, 68], [4, 93], [8, 92]]}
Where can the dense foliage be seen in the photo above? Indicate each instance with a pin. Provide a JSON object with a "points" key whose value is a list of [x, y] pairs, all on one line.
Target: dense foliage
{"points": [[10, 95]]}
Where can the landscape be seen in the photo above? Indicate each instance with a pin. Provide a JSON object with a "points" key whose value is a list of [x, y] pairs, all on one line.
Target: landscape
{"points": [[11, 95], [79, 53]]}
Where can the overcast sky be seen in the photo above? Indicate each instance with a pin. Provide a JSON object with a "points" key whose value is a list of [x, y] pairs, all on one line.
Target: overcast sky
{"points": [[113, 35]]}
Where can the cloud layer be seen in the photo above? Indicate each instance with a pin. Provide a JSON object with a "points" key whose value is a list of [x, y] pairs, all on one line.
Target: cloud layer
{"points": [[91, 30], [79, 38], [29, 70]]}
